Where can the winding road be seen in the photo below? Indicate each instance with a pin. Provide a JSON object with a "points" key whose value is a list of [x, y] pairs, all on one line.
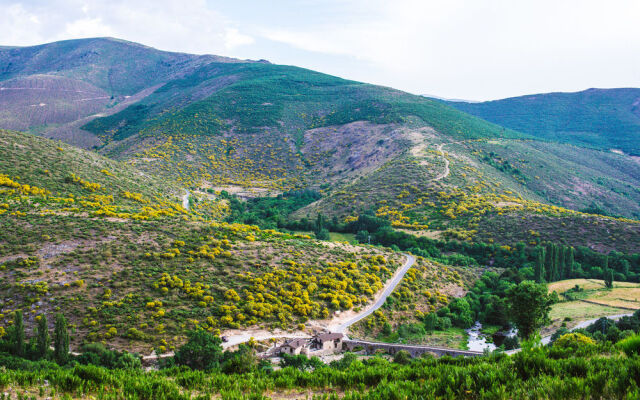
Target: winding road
{"points": [[381, 298], [584, 324], [446, 171], [185, 200]]}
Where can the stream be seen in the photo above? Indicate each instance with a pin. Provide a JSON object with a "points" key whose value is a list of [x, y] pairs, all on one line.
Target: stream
{"points": [[478, 341]]}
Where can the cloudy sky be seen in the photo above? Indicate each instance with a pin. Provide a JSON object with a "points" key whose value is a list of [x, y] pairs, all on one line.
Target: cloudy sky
{"points": [[466, 49]]}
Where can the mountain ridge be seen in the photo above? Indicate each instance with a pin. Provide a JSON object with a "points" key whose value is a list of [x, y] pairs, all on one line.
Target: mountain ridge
{"points": [[600, 118]]}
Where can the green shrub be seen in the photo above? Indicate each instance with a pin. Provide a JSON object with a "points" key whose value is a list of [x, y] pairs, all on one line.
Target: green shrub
{"points": [[630, 345]]}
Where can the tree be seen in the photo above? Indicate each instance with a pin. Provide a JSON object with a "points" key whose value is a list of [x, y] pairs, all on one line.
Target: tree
{"points": [[461, 315], [241, 361], [43, 339], [556, 262], [61, 340], [548, 262], [402, 357], [319, 222], [322, 234], [539, 271], [17, 335], [529, 305], [202, 351], [608, 278], [569, 260], [362, 236], [562, 271]]}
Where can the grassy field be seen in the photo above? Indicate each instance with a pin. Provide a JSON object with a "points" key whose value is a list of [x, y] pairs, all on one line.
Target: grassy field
{"points": [[582, 311], [454, 338], [593, 301], [587, 284], [335, 236], [624, 295]]}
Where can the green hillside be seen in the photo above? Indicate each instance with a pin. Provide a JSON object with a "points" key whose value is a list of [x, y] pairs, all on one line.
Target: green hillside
{"points": [[114, 250], [601, 118], [116, 66], [54, 88], [255, 97]]}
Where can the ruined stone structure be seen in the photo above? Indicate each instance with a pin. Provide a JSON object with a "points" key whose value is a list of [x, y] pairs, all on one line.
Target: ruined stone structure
{"points": [[414, 350]]}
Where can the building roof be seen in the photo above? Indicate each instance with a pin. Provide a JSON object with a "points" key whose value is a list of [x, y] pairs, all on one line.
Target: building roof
{"points": [[325, 337], [295, 343]]}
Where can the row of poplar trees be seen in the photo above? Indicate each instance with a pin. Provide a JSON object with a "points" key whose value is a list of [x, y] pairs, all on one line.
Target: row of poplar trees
{"points": [[39, 345], [554, 263]]}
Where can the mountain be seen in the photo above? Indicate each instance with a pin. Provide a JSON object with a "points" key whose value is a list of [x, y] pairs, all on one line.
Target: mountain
{"points": [[139, 238], [115, 250], [606, 119], [46, 88], [214, 124]]}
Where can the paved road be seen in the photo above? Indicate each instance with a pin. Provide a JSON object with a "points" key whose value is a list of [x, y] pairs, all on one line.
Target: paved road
{"points": [[395, 280], [584, 324], [185, 200]]}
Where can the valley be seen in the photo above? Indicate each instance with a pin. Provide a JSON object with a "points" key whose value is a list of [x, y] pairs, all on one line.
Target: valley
{"points": [[196, 212]]}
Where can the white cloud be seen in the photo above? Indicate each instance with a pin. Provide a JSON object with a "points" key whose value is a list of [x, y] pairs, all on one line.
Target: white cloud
{"points": [[88, 27], [187, 26], [233, 38], [454, 48], [482, 49]]}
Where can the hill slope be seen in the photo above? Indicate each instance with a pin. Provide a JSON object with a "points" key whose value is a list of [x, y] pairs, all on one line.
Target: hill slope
{"points": [[601, 118], [46, 86], [113, 250], [272, 128]]}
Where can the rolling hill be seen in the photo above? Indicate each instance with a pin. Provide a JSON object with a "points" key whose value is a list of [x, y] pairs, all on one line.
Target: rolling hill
{"points": [[113, 249], [211, 123], [599, 118], [44, 88]]}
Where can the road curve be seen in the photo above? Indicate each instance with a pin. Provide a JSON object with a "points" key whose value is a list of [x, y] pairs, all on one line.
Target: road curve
{"points": [[185, 200], [395, 280], [584, 324], [444, 173], [233, 340]]}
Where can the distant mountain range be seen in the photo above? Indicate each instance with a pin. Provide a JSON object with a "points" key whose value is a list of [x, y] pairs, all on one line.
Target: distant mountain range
{"points": [[599, 118], [212, 122]]}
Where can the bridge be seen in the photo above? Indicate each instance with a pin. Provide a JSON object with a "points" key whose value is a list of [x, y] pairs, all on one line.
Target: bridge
{"points": [[414, 350]]}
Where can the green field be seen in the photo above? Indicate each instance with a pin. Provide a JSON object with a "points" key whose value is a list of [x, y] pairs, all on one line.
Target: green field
{"points": [[335, 236]]}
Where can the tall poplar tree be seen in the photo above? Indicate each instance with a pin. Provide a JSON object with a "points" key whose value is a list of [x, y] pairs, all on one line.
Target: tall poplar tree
{"points": [[43, 339], [61, 340], [17, 334], [539, 271]]}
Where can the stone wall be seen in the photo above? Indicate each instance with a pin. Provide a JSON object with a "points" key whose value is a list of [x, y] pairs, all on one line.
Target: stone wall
{"points": [[414, 350]]}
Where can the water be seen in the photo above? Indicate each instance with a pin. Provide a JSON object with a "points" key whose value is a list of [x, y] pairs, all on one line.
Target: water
{"points": [[477, 340]]}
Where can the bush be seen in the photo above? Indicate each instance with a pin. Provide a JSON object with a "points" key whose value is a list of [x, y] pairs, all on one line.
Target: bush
{"points": [[322, 234], [202, 351], [511, 343], [572, 344], [402, 357], [241, 361], [97, 354], [630, 345]]}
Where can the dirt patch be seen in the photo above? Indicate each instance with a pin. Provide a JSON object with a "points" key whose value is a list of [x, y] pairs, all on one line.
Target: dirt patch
{"points": [[435, 234], [51, 250], [246, 192]]}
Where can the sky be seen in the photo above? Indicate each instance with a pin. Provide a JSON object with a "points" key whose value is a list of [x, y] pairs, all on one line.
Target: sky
{"points": [[457, 49]]}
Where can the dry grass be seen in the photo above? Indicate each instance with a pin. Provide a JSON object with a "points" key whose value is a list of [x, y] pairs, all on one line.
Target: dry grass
{"points": [[586, 284], [581, 311], [623, 297]]}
